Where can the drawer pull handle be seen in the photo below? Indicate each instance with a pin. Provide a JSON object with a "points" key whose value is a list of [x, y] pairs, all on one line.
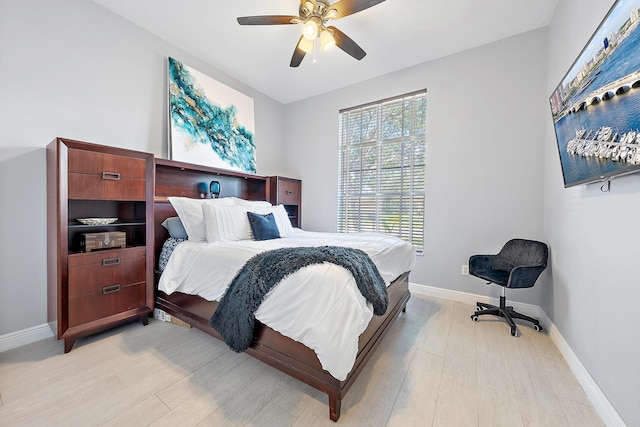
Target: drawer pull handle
{"points": [[288, 192], [110, 261], [113, 176], [110, 289]]}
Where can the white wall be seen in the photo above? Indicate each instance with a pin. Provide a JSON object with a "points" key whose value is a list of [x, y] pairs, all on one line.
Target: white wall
{"points": [[485, 113], [593, 237], [71, 68]]}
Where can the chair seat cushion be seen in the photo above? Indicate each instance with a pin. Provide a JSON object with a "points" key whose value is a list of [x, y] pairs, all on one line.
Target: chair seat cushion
{"points": [[496, 276]]}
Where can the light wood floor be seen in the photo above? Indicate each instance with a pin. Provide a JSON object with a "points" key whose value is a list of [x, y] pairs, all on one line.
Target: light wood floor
{"points": [[435, 367]]}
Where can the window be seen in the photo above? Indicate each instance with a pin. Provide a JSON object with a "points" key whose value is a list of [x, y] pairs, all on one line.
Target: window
{"points": [[382, 167]]}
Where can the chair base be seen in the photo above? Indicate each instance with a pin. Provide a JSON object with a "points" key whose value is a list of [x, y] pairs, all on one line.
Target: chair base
{"points": [[507, 313]]}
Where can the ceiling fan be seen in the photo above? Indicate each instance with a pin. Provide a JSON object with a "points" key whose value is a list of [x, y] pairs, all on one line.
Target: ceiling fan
{"points": [[314, 15]]}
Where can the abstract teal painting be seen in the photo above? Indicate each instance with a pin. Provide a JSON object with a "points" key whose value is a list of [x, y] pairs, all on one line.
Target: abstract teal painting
{"points": [[211, 124]]}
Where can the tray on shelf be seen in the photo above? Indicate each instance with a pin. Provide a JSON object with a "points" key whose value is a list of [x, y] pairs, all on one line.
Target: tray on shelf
{"points": [[96, 221]]}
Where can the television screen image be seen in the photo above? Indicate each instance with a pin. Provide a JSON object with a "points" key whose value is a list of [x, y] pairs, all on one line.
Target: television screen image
{"points": [[596, 107]]}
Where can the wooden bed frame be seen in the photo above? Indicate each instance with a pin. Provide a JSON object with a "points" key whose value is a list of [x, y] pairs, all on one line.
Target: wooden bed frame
{"points": [[271, 347]]}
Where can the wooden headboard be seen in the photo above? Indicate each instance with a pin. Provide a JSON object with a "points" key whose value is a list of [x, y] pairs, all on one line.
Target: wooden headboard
{"points": [[181, 179]]}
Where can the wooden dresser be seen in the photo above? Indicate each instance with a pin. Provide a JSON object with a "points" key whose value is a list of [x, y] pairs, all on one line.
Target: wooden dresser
{"points": [[92, 291], [286, 192]]}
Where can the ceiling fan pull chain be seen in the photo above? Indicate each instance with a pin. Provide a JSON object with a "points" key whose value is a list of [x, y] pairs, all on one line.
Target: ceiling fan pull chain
{"points": [[314, 51]]}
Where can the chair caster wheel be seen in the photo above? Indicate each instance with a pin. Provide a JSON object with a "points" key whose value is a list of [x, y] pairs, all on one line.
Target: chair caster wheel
{"points": [[537, 328], [474, 317], [514, 332], [478, 308]]}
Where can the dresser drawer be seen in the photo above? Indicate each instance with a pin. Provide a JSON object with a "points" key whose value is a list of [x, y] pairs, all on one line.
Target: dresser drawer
{"points": [[94, 187], [288, 192], [105, 283], [95, 163], [92, 273], [94, 175], [115, 300]]}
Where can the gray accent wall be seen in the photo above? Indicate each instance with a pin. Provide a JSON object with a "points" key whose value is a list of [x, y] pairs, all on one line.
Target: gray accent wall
{"points": [[73, 69], [485, 153], [594, 242]]}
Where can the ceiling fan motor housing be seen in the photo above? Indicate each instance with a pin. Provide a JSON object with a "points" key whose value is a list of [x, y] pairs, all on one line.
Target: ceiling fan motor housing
{"points": [[307, 10]]}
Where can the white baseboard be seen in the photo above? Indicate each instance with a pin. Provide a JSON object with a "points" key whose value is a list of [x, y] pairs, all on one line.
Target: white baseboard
{"points": [[601, 404], [471, 299], [24, 337]]}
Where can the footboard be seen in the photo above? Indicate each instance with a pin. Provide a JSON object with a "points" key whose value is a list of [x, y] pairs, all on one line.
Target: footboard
{"points": [[289, 356]]}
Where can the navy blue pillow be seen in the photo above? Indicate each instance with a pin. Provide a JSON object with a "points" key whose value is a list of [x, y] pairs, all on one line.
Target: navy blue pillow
{"points": [[264, 227]]}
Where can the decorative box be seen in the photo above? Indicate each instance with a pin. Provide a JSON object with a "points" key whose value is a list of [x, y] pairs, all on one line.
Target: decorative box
{"points": [[107, 240]]}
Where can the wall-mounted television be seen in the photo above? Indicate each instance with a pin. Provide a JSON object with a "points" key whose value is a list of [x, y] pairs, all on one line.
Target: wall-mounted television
{"points": [[596, 106]]}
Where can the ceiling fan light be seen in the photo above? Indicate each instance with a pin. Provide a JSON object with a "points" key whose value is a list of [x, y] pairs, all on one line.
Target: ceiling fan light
{"points": [[331, 14], [309, 6], [326, 40], [306, 45], [310, 30]]}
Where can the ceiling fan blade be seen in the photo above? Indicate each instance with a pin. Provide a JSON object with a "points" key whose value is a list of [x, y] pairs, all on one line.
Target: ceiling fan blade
{"points": [[298, 55], [345, 43], [349, 7], [266, 20]]}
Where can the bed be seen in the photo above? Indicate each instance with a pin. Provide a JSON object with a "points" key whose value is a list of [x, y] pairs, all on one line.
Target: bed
{"points": [[270, 346]]}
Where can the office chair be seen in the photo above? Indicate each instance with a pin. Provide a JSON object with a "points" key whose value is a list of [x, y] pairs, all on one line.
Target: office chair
{"points": [[517, 265]]}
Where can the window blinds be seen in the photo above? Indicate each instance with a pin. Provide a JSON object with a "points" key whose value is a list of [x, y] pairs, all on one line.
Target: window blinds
{"points": [[382, 168]]}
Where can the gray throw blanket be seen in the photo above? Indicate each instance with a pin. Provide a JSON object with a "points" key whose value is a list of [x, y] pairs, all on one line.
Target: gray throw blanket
{"points": [[234, 318]]}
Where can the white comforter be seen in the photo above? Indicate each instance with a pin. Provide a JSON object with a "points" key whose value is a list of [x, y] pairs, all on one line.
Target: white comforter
{"points": [[319, 305]]}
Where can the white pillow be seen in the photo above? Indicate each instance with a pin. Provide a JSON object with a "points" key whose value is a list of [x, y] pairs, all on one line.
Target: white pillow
{"points": [[226, 223], [250, 203], [280, 214], [190, 213]]}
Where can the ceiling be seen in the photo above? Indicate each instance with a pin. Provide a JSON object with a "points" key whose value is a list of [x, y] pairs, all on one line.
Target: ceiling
{"points": [[395, 34]]}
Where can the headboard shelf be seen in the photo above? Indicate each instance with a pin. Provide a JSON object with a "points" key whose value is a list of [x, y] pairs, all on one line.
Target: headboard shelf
{"points": [[216, 171], [181, 179]]}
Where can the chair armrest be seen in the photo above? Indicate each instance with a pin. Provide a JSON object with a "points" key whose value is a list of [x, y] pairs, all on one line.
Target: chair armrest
{"points": [[480, 262], [524, 276]]}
